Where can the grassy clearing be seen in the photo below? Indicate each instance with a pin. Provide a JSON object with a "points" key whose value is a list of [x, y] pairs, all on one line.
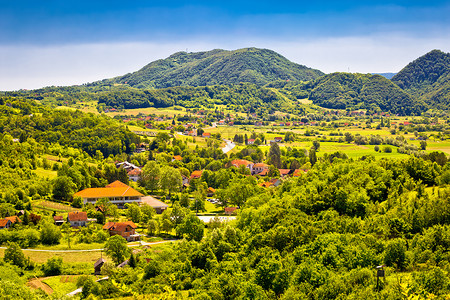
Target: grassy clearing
{"points": [[73, 246], [61, 285], [50, 174], [68, 257], [53, 206]]}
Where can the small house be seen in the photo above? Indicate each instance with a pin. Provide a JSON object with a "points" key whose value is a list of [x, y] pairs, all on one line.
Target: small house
{"points": [[127, 230], [59, 220], [5, 224], [77, 218], [98, 266], [230, 210]]}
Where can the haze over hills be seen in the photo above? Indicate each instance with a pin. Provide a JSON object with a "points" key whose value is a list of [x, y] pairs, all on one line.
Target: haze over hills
{"points": [[252, 65]]}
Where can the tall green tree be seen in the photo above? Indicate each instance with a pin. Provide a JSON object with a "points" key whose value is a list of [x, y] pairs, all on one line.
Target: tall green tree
{"points": [[116, 248], [170, 180], [274, 155], [150, 176]]}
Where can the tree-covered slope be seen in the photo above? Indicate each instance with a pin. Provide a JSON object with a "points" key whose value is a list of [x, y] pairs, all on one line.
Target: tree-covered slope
{"points": [[252, 65], [428, 78], [363, 91]]}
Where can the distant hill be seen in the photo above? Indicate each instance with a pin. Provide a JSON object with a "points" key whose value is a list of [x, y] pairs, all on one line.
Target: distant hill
{"points": [[428, 78], [385, 75], [252, 65], [363, 91]]}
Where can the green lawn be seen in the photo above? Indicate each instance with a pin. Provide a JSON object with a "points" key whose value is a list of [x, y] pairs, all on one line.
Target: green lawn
{"points": [[50, 174], [62, 285]]}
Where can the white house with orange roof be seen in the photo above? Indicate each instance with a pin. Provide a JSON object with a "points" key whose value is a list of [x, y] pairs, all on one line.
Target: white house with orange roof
{"points": [[242, 162], [259, 167], [117, 192]]}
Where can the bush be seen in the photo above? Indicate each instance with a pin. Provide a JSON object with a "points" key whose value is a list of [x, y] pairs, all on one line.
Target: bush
{"points": [[387, 149], [53, 266]]}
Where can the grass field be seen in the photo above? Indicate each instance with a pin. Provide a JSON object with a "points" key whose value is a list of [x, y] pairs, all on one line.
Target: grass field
{"points": [[169, 111], [46, 173], [68, 257], [53, 206], [61, 285]]}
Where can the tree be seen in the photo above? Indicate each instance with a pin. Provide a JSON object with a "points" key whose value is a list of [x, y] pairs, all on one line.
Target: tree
{"points": [[50, 233], [192, 228], [116, 248], [147, 212], [152, 227], [312, 156], [274, 155], [77, 202], [63, 188], [134, 212], [395, 253], [171, 179], [166, 223], [14, 255], [423, 145], [53, 266], [132, 262], [316, 145], [150, 176]]}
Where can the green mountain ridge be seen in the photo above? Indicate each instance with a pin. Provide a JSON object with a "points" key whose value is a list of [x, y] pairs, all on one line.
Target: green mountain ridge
{"points": [[363, 91], [252, 65], [428, 78]]}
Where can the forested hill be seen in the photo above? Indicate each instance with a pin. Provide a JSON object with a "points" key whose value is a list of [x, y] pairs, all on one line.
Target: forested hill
{"points": [[363, 91], [428, 78], [258, 66]]}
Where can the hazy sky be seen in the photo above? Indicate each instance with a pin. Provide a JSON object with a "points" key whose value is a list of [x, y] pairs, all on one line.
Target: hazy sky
{"points": [[56, 42]]}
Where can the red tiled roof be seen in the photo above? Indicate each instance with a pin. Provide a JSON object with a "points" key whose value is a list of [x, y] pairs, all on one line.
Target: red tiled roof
{"points": [[3, 222], [263, 172], [284, 171], [58, 218], [196, 174], [77, 216], [230, 210], [177, 157], [14, 219], [240, 162], [134, 172], [260, 165], [119, 226], [115, 189]]}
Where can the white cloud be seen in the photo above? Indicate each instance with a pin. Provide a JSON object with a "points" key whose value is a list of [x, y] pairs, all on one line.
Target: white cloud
{"points": [[34, 67]]}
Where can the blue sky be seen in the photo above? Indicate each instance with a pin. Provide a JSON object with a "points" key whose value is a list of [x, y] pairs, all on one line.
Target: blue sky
{"points": [[71, 42]]}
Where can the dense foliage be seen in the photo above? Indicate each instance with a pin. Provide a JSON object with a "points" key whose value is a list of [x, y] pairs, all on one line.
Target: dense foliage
{"points": [[258, 66], [363, 91], [428, 78]]}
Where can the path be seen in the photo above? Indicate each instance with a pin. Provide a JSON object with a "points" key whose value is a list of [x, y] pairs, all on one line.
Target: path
{"points": [[230, 145], [37, 283]]}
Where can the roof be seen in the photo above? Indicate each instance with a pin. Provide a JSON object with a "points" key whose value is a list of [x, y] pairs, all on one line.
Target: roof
{"points": [[265, 184], [260, 165], [134, 172], [153, 202], [206, 134], [177, 157], [100, 261], [196, 174], [263, 172], [241, 162], [58, 218], [119, 226], [14, 219], [4, 222], [230, 209], [77, 216], [115, 189], [284, 171], [212, 190]]}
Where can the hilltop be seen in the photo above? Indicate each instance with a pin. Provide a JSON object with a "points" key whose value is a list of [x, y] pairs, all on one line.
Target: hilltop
{"points": [[252, 65], [427, 78]]}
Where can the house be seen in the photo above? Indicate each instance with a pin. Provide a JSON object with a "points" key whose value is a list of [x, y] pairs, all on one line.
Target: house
{"points": [[298, 173], [98, 266], [250, 141], [259, 167], [206, 135], [127, 230], [117, 192], [134, 175], [284, 172], [264, 172], [77, 218], [242, 162], [210, 192], [230, 210], [176, 157], [159, 206], [4, 224], [185, 179], [196, 174], [278, 139], [59, 220], [14, 219]]}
